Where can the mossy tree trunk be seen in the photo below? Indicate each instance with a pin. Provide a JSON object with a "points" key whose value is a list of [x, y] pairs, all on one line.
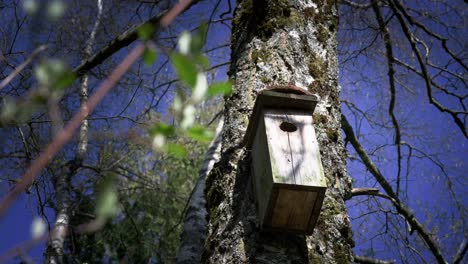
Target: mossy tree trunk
{"points": [[277, 43]]}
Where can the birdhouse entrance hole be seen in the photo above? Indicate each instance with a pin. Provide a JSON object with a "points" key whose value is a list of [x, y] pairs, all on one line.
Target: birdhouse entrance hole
{"points": [[288, 127]]}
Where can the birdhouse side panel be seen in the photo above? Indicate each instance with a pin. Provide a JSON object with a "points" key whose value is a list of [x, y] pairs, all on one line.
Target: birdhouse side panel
{"points": [[293, 147], [262, 175]]}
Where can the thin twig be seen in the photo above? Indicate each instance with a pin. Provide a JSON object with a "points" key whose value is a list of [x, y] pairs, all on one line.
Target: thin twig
{"points": [[21, 67], [391, 80], [367, 260], [401, 208], [67, 132]]}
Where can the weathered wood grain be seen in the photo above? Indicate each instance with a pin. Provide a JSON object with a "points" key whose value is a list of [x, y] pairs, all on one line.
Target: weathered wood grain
{"points": [[287, 174]]}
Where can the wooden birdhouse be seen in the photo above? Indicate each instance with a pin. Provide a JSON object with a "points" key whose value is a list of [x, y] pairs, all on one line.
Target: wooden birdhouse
{"points": [[287, 172]]}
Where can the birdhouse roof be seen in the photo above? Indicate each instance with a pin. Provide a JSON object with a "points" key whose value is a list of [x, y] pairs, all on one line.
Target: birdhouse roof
{"points": [[278, 99]]}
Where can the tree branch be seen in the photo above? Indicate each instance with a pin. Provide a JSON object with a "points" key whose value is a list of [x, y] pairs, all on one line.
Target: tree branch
{"points": [[412, 21], [23, 65], [367, 260], [123, 40], [411, 38], [461, 251], [391, 80], [67, 132], [401, 208], [354, 4]]}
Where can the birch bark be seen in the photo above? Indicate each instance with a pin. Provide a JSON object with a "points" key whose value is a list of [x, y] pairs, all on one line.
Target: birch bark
{"points": [[62, 184]]}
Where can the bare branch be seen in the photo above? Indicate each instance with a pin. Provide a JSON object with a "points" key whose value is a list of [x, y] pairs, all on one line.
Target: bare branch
{"points": [[461, 251], [21, 67], [412, 21], [355, 5], [391, 79], [367, 260], [126, 39], [67, 132], [412, 40], [364, 191], [401, 208]]}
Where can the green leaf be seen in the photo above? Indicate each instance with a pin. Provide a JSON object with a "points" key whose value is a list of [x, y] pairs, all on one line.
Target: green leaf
{"points": [[199, 39], [38, 228], [159, 140], [188, 116], [107, 200], [200, 88], [149, 56], [145, 31], [176, 150], [224, 88], [162, 129], [184, 42], [54, 74], [56, 9], [202, 60], [186, 70], [200, 134], [41, 73], [30, 6], [9, 109], [65, 80]]}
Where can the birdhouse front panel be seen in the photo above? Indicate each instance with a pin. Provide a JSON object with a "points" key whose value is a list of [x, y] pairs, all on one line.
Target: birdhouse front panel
{"points": [[293, 146]]}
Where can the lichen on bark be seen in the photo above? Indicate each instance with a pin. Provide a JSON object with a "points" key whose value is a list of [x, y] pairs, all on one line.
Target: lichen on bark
{"points": [[279, 42]]}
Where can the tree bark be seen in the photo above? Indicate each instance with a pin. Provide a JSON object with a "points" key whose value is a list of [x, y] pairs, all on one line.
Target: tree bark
{"points": [[278, 43], [195, 224], [55, 245]]}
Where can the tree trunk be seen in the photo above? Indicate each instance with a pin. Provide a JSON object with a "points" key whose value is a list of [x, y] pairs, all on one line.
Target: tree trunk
{"points": [[55, 245], [278, 43], [195, 224], [62, 184]]}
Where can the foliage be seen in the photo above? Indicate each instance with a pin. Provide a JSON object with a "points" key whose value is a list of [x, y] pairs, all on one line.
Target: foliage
{"points": [[152, 198]]}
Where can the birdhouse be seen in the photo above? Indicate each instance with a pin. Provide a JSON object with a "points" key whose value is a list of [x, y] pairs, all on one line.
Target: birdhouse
{"points": [[287, 172]]}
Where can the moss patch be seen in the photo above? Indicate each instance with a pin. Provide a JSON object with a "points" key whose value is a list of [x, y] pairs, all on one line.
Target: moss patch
{"points": [[322, 34], [269, 17], [245, 14], [333, 134], [213, 193], [320, 119], [260, 55], [318, 70]]}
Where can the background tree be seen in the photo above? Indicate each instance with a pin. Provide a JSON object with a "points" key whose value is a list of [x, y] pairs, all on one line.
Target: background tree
{"points": [[416, 88]]}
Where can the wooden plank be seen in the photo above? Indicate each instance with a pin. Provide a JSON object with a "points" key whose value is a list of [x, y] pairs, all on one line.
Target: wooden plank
{"points": [[262, 178], [293, 209], [295, 156], [279, 100], [302, 211]]}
